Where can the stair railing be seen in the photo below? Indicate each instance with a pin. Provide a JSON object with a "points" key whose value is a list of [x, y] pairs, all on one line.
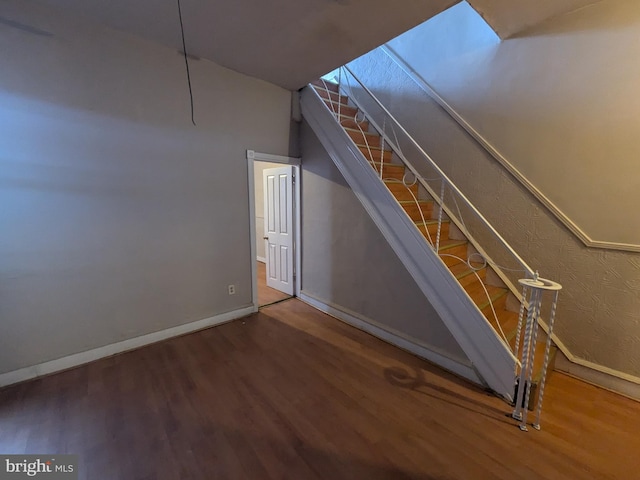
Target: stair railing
{"points": [[439, 192], [449, 199]]}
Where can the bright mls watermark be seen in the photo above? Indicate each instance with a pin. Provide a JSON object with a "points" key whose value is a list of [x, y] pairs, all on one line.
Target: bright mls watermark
{"points": [[49, 467]]}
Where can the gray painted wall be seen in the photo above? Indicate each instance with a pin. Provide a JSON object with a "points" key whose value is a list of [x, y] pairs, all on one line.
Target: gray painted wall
{"points": [[347, 263], [558, 101], [118, 217], [598, 309]]}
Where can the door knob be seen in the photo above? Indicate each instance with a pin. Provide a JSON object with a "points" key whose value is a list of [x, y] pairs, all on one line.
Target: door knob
{"points": [[266, 238]]}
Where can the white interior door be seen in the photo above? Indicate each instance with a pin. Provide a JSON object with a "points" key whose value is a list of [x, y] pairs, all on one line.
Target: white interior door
{"points": [[278, 227]]}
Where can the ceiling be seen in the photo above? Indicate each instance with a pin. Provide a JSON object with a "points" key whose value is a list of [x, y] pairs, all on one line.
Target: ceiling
{"points": [[286, 42], [291, 42], [509, 17]]}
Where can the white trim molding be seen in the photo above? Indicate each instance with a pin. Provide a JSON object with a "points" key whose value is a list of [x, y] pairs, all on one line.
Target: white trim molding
{"points": [[251, 157], [88, 356], [519, 176], [603, 377], [268, 157], [398, 339]]}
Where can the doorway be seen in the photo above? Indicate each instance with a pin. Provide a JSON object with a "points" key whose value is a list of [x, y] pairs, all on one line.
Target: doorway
{"points": [[274, 200]]}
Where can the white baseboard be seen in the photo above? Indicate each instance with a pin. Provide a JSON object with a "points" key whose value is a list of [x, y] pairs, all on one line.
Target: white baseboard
{"points": [[81, 358], [261, 259], [595, 376], [393, 337]]}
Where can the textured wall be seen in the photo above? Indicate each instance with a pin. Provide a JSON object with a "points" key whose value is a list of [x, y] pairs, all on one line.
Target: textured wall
{"points": [[117, 216], [559, 101], [347, 263], [598, 316]]}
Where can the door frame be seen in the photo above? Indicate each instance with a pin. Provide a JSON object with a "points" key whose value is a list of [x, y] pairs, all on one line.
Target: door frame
{"points": [[253, 156]]}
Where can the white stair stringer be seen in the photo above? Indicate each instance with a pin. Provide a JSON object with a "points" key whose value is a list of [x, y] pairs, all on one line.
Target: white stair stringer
{"points": [[491, 358]]}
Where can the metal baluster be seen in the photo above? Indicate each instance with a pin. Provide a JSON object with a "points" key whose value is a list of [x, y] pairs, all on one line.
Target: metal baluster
{"points": [[384, 123], [339, 91], [532, 354], [524, 368], [520, 321], [440, 216], [547, 349]]}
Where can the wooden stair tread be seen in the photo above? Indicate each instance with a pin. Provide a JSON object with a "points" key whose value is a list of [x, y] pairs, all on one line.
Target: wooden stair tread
{"points": [[449, 244], [431, 222], [350, 120], [357, 130], [399, 190], [461, 270], [509, 323], [507, 320], [344, 110], [417, 211], [396, 181], [373, 147], [363, 123], [389, 170], [322, 83], [465, 274], [362, 138], [390, 166], [334, 96], [479, 295]]}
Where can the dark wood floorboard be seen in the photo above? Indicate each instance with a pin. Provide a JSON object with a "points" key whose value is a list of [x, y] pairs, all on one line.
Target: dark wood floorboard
{"points": [[290, 393], [266, 294]]}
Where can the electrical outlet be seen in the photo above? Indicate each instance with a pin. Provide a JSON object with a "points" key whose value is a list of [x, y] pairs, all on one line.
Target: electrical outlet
{"points": [[232, 289]]}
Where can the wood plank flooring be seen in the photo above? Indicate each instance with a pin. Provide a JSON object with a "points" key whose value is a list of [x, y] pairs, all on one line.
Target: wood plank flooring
{"points": [[266, 294], [290, 393]]}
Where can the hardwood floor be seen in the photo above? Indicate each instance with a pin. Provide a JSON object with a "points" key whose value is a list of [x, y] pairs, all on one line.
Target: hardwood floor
{"points": [[290, 393], [266, 294]]}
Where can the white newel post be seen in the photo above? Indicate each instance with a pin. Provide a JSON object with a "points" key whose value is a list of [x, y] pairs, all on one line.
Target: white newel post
{"points": [[538, 286]]}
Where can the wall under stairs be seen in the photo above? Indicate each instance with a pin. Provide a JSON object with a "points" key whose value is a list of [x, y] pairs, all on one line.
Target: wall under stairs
{"points": [[347, 263], [491, 358]]}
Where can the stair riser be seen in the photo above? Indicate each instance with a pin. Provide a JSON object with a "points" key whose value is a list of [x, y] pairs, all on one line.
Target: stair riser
{"points": [[459, 251], [433, 231], [401, 192], [329, 85], [333, 96], [413, 210], [389, 170], [360, 138], [498, 304], [471, 279], [342, 109], [375, 154], [349, 122]]}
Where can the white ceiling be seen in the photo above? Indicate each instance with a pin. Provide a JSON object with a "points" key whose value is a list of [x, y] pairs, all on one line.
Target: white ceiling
{"points": [[291, 42], [286, 42]]}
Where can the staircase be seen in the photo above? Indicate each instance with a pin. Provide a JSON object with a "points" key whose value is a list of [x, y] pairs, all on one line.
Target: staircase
{"points": [[481, 282]]}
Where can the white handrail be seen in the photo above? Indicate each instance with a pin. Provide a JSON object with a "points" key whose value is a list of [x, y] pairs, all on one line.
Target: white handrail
{"points": [[451, 185]]}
